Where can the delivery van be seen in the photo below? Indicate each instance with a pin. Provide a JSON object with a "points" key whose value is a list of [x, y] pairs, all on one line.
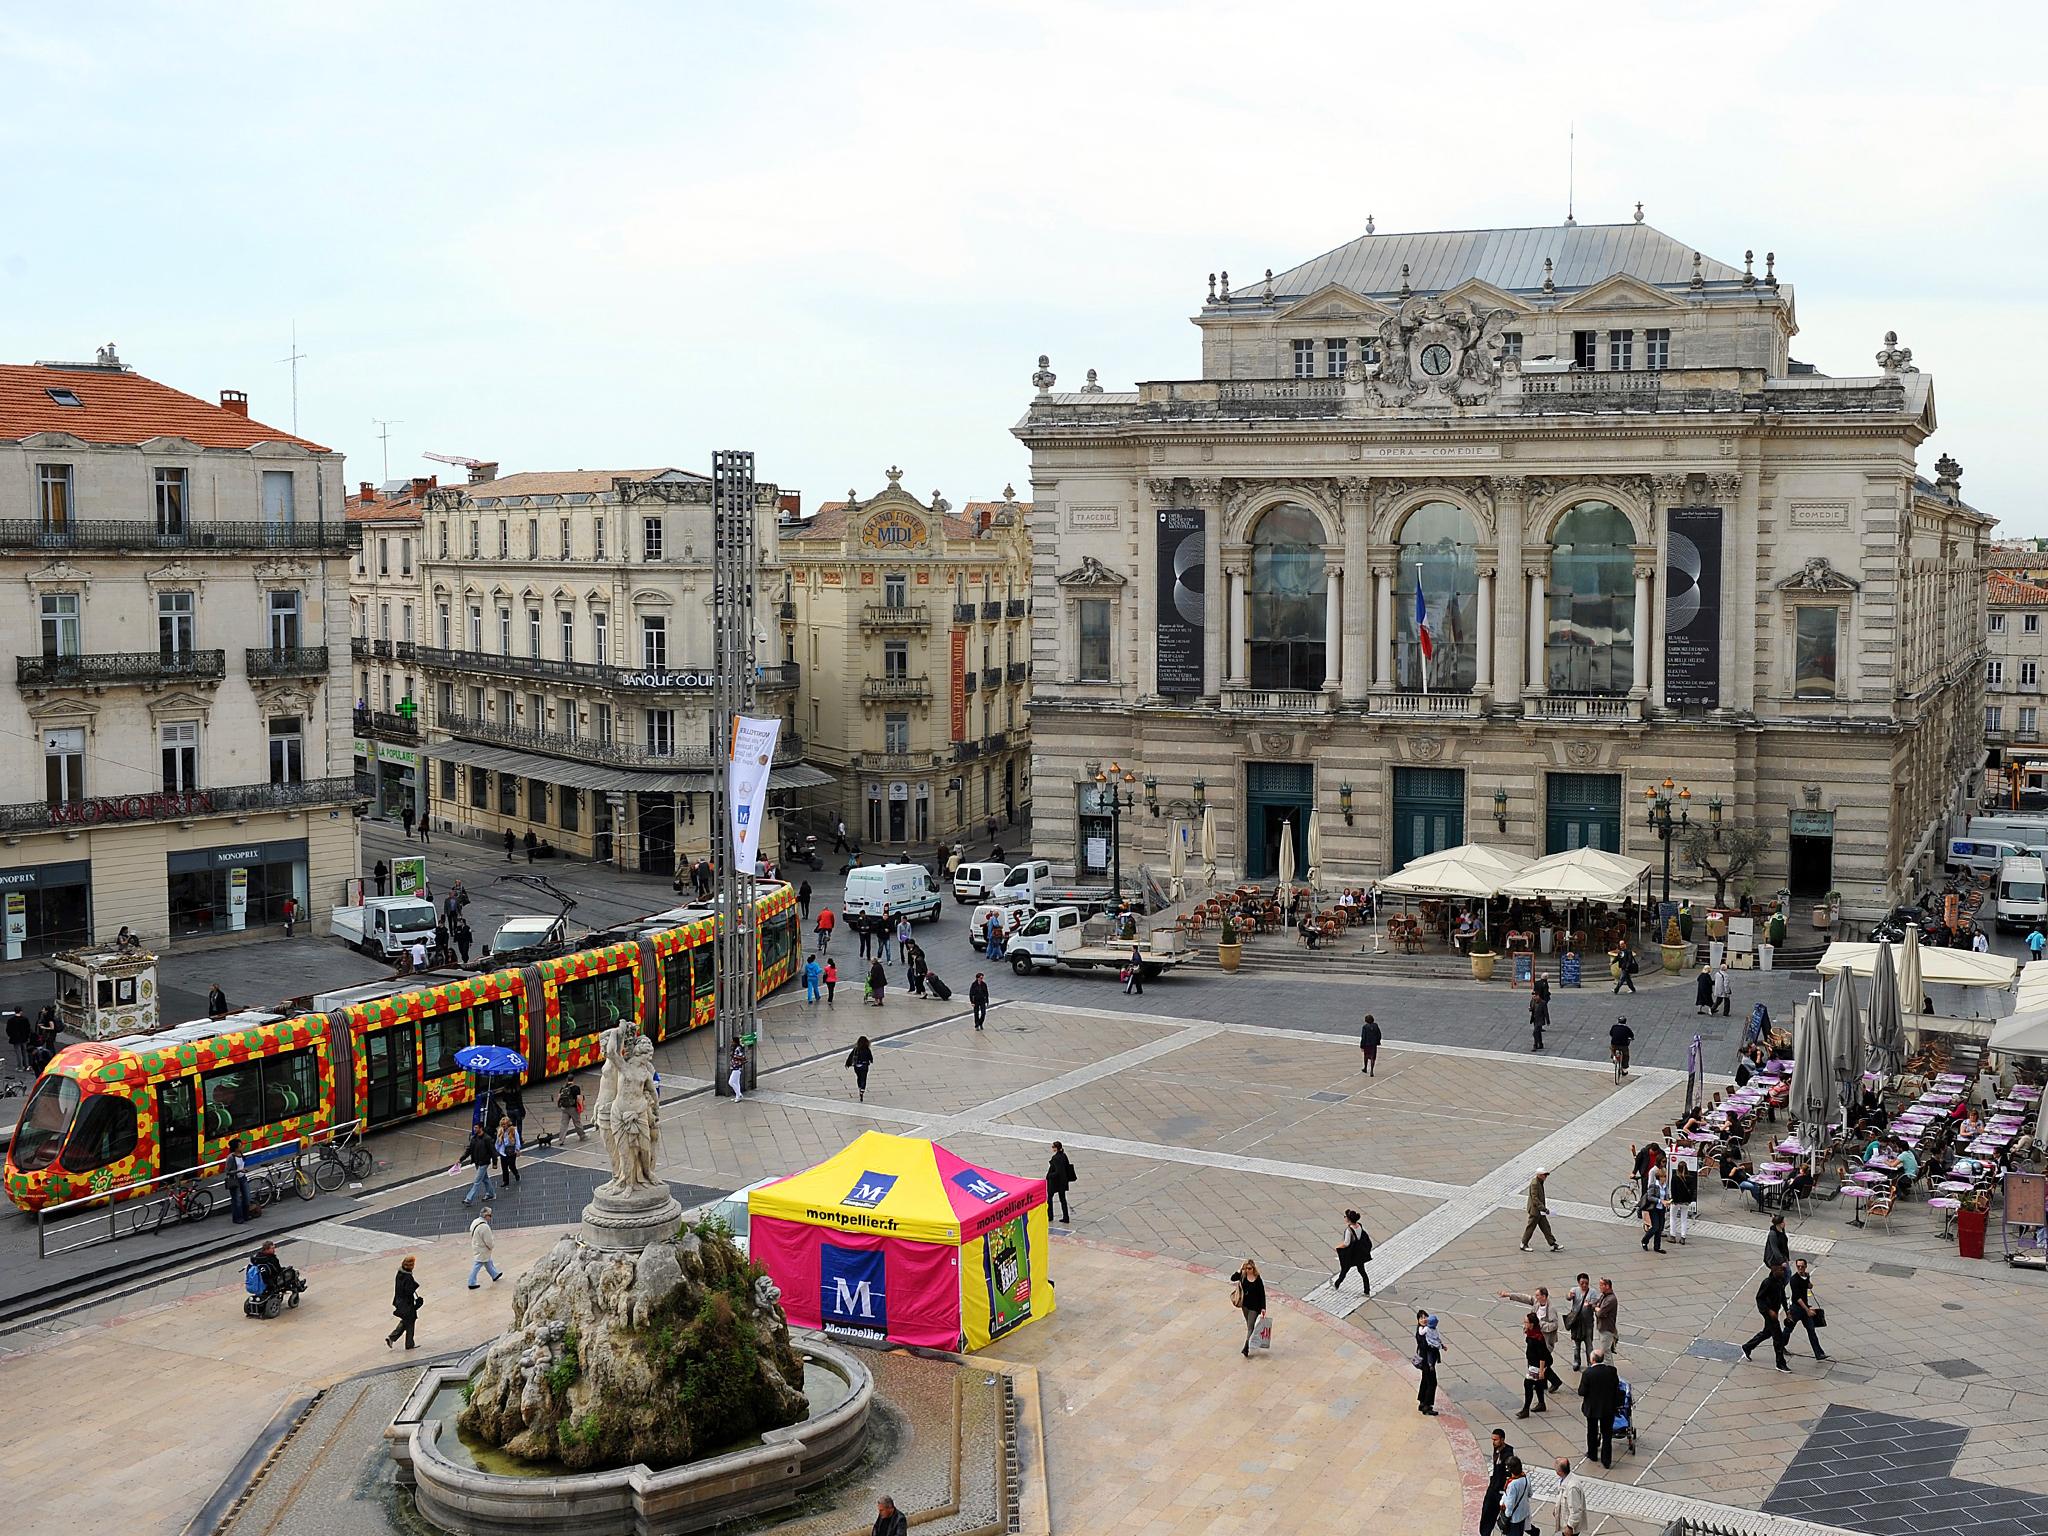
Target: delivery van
{"points": [[1985, 857], [973, 882], [902, 890], [2021, 902], [2027, 831]]}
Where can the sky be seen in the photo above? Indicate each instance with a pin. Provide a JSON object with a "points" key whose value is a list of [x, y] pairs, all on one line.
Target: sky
{"points": [[616, 235]]}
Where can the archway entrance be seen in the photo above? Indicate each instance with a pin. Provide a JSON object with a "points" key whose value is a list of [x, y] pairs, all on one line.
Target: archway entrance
{"points": [[1278, 798]]}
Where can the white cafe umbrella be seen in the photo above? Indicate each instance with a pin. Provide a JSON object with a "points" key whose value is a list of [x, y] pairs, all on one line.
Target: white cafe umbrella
{"points": [[1910, 993], [1209, 844], [1286, 860], [1177, 858], [1315, 847]]}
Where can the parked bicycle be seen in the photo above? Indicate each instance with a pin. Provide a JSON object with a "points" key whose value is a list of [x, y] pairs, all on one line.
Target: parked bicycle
{"points": [[187, 1201], [334, 1163]]}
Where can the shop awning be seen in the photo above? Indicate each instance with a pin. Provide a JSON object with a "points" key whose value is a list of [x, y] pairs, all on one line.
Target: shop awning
{"points": [[571, 774]]}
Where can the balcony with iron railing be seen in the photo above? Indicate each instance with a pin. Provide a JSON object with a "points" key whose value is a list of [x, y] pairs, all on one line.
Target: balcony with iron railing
{"points": [[969, 680], [176, 805], [285, 661], [892, 690], [1013, 608], [114, 537], [785, 610], [966, 751], [997, 741], [1018, 671], [387, 725], [897, 762], [773, 678], [588, 749], [895, 618], [113, 669], [991, 677], [358, 648], [992, 610], [963, 613]]}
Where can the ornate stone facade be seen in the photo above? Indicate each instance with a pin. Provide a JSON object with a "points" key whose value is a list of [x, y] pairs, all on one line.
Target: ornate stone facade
{"points": [[1648, 543]]}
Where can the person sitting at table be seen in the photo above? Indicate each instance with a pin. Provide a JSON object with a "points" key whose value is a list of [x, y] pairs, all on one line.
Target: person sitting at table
{"points": [[1909, 1167], [1734, 1165], [1467, 931]]}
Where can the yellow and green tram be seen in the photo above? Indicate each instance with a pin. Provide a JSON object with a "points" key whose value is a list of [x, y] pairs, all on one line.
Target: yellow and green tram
{"points": [[106, 1115]]}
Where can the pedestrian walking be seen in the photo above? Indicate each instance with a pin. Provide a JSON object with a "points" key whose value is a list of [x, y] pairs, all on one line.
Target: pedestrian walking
{"points": [[1369, 1045], [914, 967], [426, 828], [1248, 1295], [885, 930], [482, 1241], [17, 1036], [823, 928], [569, 1111], [839, 836], [1724, 990], [1599, 1398], [1538, 1301], [878, 983], [902, 940], [291, 915], [405, 1303], [831, 981], [1515, 1500], [508, 1153], [479, 1154], [407, 818], [1496, 1483], [1685, 1198], [237, 1174], [1537, 1206], [510, 843], [1539, 1012], [814, 976], [736, 1070], [860, 1058], [1134, 973], [1354, 1251], [1578, 1318], [864, 926], [1777, 1246], [803, 900], [1429, 1349], [464, 937], [1656, 1207], [381, 873], [1770, 1306], [1619, 1038], [1059, 1178], [977, 994], [1624, 968], [532, 843], [995, 937], [1536, 1358], [1607, 1320], [1806, 1312], [1703, 989], [417, 956], [1570, 1519]]}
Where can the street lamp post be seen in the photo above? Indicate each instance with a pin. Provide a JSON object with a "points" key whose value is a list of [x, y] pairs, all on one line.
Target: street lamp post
{"points": [[1114, 783], [1662, 800]]}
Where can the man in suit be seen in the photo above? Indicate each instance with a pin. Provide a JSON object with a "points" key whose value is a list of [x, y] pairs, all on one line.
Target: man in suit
{"points": [[1599, 1397], [1770, 1306], [1496, 1483]]}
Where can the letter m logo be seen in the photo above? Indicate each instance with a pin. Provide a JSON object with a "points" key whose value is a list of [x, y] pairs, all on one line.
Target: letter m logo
{"points": [[852, 1290], [870, 1190]]}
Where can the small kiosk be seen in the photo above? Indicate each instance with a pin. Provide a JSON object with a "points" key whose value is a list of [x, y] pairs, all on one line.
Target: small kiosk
{"points": [[896, 1240], [106, 992]]}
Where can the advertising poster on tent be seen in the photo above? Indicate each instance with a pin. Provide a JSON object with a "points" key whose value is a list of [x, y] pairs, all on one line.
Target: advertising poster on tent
{"points": [[1006, 1268], [753, 755]]}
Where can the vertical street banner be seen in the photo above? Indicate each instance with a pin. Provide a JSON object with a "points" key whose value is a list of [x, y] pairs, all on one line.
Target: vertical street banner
{"points": [[753, 755], [959, 688], [1692, 606], [1178, 599]]}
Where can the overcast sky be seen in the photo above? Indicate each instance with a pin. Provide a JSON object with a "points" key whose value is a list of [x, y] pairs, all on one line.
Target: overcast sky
{"points": [[619, 236]]}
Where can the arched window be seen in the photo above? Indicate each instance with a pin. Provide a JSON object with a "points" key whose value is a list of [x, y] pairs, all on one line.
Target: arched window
{"points": [[1288, 593], [1438, 548], [1590, 631]]}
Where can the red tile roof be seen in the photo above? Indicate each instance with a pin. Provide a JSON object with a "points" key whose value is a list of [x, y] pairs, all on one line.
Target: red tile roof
{"points": [[117, 406], [2009, 592], [399, 507]]}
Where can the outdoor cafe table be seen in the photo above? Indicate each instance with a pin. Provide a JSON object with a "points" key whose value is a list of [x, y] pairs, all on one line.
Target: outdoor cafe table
{"points": [[1950, 1077], [1702, 1137], [1956, 1186], [1948, 1205], [1856, 1194], [2010, 1106]]}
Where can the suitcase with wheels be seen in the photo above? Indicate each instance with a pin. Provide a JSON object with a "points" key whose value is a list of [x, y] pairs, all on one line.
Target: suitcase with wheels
{"points": [[937, 988]]}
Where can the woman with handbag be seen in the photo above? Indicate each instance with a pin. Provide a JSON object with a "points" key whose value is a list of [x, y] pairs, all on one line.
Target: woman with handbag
{"points": [[405, 1303], [1515, 1500], [1354, 1252], [1248, 1295], [1536, 1354]]}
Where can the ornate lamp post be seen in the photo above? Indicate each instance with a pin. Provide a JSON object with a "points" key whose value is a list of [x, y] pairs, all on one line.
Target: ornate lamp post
{"points": [[1113, 789], [1661, 802]]}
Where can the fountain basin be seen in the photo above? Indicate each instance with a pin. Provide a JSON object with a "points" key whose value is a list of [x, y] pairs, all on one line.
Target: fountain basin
{"points": [[458, 1495]]}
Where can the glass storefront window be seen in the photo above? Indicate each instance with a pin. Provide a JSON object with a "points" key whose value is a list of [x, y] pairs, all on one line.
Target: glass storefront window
{"points": [[1286, 599], [1813, 654], [199, 897], [1591, 621], [1438, 548]]}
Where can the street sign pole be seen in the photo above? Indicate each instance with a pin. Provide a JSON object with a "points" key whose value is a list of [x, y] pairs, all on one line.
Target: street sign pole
{"points": [[735, 563]]}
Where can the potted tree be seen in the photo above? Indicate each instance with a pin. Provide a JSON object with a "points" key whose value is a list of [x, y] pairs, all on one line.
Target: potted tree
{"points": [[1482, 959], [1228, 950], [1674, 948]]}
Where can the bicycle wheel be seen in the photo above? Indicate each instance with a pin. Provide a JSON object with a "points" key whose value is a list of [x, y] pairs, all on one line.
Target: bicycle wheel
{"points": [[1623, 1200], [358, 1161], [146, 1217], [329, 1174], [262, 1190], [302, 1181], [200, 1206]]}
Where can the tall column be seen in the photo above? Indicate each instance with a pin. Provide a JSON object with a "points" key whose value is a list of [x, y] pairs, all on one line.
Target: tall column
{"points": [[1333, 625], [1538, 683], [1639, 682], [1383, 627], [1234, 629], [1357, 633], [1510, 670], [1483, 680]]}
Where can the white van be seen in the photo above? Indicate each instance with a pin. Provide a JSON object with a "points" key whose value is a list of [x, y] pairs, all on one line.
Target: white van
{"points": [[972, 882], [2027, 831], [899, 889], [1984, 857], [2021, 901]]}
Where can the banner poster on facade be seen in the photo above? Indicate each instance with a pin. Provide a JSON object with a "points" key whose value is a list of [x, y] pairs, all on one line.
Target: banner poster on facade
{"points": [[959, 685], [1178, 602], [1692, 606], [753, 756]]}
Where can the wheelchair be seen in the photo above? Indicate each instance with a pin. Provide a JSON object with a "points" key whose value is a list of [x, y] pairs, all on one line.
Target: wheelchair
{"points": [[273, 1299]]}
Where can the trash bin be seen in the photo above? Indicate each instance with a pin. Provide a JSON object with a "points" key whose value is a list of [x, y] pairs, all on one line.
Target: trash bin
{"points": [[1763, 956], [1970, 1233]]}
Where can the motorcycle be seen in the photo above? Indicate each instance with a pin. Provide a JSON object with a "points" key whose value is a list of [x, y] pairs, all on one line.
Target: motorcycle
{"points": [[806, 849]]}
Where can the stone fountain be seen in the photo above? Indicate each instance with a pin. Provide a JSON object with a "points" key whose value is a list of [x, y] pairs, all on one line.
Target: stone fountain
{"points": [[639, 1354]]}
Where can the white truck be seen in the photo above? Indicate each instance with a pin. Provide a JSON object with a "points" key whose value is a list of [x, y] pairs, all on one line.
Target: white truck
{"points": [[1060, 937], [2021, 901], [1033, 881], [385, 925]]}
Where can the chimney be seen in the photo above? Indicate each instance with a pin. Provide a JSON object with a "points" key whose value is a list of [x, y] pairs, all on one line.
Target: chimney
{"points": [[484, 473], [421, 484], [982, 519], [368, 492], [235, 400]]}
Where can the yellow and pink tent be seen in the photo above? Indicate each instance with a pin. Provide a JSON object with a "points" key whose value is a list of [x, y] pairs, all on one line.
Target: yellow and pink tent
{"points": [[894, 1238]]}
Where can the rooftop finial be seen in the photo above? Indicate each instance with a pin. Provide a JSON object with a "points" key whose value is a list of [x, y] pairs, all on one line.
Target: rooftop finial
{"points": [[1226, 287], [1212, 287], [1549, 286], [1045, 378], [1269, 285], [894, 475], [1770, 266], [1749, 269], [852, 497], [1948, 475], [1368, 224], [1698, 278], [1639, 211], [1009, 493], [1404, 280], [1091, 387], [940, 506], [1893, 358]]}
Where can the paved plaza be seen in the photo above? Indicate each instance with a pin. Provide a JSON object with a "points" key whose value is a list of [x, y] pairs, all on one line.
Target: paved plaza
{"points": [[1199, 1142]]}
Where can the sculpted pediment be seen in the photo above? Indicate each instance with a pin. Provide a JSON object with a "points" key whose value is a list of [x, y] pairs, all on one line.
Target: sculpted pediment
{"points": [[171, 444], [177, 574], [1819, 575], [1480, 294], [1621, 292], [1333, 300], [59, 573], [1091, 572]]}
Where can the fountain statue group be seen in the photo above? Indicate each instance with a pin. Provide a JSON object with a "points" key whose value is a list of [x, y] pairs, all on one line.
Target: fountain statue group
{"points": [[628, 1110]]}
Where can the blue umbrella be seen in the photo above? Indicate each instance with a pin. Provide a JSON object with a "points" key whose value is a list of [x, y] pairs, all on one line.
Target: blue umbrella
{"points": [[491, 1060]]}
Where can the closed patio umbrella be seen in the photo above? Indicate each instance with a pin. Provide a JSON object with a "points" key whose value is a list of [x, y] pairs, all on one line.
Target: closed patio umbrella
{"points": [[1209, 844], [1286, 860], [1887, 1031], [1315, 848], [1910, 985], [1177, 859], [1847, 1050], [1811, 1096]]}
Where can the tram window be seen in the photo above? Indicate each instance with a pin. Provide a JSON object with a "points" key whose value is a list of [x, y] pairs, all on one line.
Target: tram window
{"points": [[105, 1133], [44, 1120], [291, 1085], [234, 1100], [675, 974], [440, 1038], [260, 1093], [495, 1024], [704, 966], [596, 1003], [778, 939]]}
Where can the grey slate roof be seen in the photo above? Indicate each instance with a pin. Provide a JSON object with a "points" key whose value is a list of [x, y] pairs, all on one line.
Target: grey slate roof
{"points": [[1583, 254]]}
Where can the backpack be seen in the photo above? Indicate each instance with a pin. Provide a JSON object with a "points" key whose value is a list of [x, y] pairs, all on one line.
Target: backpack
{"points": [[252, 1280]]}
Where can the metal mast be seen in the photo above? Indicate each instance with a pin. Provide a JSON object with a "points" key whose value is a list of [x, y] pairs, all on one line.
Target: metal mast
{"points": [[734, 560]]}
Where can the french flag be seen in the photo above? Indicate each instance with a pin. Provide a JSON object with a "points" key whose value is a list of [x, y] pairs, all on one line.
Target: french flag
{"points": [[1422, 634]]}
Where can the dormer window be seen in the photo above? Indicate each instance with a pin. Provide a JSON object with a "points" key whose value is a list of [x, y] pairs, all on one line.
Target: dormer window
{"points": [[64, 396]]}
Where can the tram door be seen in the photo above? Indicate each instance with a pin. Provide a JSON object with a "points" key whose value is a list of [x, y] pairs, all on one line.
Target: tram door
{"points": [[394, 1082], [177, 1119]]}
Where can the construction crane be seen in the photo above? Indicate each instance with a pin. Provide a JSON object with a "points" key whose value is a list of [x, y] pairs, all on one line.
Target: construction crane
{"points": [[452, 458]]}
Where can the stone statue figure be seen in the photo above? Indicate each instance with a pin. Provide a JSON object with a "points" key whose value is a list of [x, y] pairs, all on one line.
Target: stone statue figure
{"points": [[628, 1113]]}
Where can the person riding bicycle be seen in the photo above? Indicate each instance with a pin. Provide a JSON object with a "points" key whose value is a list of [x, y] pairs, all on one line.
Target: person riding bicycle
{"points": [[1619, 1037]]}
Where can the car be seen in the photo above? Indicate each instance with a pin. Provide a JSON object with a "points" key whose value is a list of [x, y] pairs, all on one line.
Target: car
{"points": [[731, 1210], [1013, 913]]}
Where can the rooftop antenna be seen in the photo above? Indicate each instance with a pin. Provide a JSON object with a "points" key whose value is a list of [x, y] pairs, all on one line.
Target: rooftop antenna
{"points": [[1571, 174], [385, 437], [295, 358]]}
